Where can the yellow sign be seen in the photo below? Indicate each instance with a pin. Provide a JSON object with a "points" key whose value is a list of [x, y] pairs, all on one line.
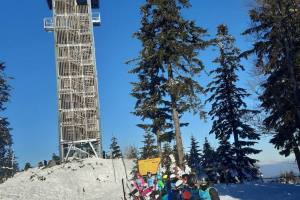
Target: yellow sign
{"points": [[148, 165]]}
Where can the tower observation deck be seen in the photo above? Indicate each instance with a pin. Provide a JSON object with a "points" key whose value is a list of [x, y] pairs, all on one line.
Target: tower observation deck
{"points": [[77, 86]]}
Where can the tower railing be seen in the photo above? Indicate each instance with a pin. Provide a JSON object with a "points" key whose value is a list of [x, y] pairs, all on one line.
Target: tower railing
{"points": [[96, 18], [48, 24]]}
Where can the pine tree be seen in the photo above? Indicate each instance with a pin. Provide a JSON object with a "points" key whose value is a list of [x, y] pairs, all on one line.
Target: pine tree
{"points": [[40, 164], [115, 149], [194, 156], [8, 165], [166, 152], [228, 107], [149, 150], [27, 166], [208, 160], [168, 64], [56, 159], [275, 27], [226, 162], [131, 152]]}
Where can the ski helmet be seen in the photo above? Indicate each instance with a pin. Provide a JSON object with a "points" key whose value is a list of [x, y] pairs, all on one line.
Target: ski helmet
{"points": [[203, 180]]}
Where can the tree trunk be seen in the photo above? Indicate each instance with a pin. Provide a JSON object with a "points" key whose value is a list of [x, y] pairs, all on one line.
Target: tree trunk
{"points": [[288, 44], [178, 138], [158, 144], [297, 155], [176, 121]]}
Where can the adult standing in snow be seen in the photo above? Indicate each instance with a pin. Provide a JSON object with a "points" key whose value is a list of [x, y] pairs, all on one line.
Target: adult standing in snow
{"points": [[192, 187], [205, 191]]}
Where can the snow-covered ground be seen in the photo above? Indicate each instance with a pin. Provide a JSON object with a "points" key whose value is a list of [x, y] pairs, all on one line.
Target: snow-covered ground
{"points": [[94, 179], [260, 191], [89, 179]]}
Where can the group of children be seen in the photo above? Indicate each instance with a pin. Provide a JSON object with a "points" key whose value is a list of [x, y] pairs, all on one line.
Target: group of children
{"points": [[172, 187]]}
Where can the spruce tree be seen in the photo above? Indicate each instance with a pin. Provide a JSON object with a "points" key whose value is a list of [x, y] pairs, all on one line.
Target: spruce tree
{"points": [[131, 152], [149, 150], [228, 107], [275, 28], [208, 160], [194, 156], [27, 166], [115, 149], [169, 59], [226, 162], [56, 158], [166, 152], [208, 155], [8, 165]]}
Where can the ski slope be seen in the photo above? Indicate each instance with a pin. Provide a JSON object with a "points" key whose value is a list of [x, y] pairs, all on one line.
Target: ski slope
{"points": [[86, 179], [94, 179]]}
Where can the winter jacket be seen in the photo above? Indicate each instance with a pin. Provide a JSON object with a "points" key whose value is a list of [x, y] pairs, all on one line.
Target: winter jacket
{"points": [[160, 185], [140, 182], [194, 194], [209, 194], [150, 182]]}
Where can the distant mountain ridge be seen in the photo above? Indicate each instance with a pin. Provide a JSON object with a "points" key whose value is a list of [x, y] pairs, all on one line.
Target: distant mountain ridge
{"points": [[276, 168]]}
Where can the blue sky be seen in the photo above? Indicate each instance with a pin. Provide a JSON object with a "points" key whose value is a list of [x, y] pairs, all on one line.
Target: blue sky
{"points": [[28, 52]]}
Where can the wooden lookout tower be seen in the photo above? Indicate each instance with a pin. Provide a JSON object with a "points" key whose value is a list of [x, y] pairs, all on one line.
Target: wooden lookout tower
{"points": [[77, 85]]}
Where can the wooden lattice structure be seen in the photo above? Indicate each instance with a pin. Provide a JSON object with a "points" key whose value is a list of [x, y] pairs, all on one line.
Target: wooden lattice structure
{"points": [[77, 85]]}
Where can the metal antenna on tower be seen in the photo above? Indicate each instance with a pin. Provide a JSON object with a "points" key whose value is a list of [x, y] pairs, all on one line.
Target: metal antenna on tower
{"points": [[77, 86]]}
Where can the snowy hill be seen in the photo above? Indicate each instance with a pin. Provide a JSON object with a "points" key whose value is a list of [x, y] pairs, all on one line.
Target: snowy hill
{"points": [[94, 179], [86, 179]]}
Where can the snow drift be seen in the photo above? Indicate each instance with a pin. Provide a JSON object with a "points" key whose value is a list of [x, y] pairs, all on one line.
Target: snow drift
{"points": [[88, 179]]}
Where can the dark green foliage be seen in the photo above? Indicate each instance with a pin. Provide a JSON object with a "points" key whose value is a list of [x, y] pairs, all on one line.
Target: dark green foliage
{"points": [[166, 152], [115, 149], [209, 160], [228, 107], [175, 153], [194, 156], [167, 67], [27, 166], [149, 150], [276, 30], [56, 158], [134, 169], [226, 162], [8, 164], [40, 164]]}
